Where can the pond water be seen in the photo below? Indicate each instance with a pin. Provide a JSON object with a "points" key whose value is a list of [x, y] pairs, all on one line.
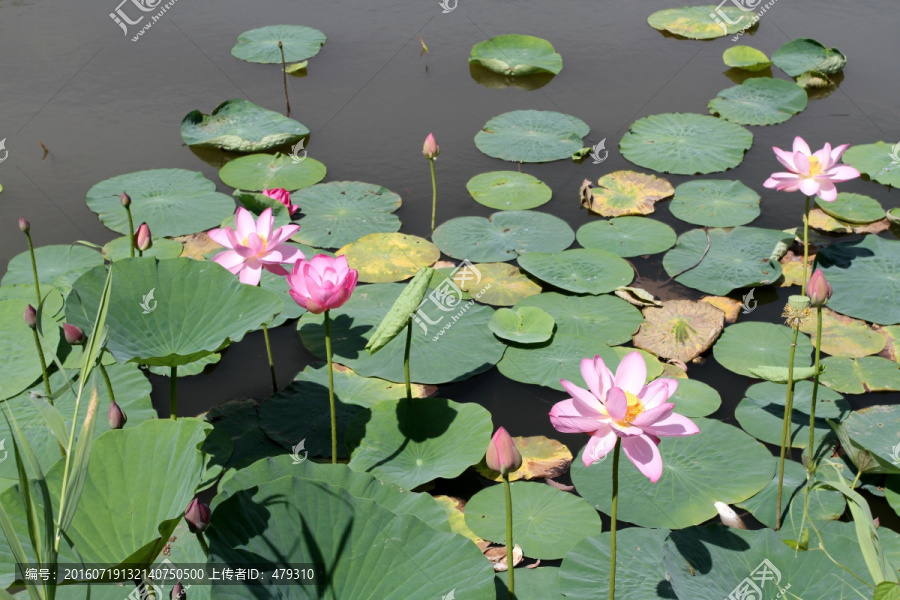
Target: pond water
{"points": [[104, 105]]}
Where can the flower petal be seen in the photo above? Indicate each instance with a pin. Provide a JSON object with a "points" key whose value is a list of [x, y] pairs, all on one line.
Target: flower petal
{"points": [[250, 275], [657, 391], [616, 404], [631, 373], [674, 425], [785, 158], [841, 173], [837, 152], [827, 191], [566, 418], [643, 454], [220, 236], [601, 443], [809, 187], [800, 145], [584, 401], [231, 260], [652, 416], [245, 223]]}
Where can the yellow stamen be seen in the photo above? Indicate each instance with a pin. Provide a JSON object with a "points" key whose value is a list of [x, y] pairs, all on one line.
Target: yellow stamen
{"points": [[815, 167], [635, 408]]}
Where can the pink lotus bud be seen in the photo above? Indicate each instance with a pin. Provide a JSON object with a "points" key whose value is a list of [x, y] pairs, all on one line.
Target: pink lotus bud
{"points": [[197, 516], [283, 196], [116, 416], [322, 283], [178, 592], [142, 239], [30, 316], [24, 225], [502, 454], [818, 289], [125, 199], [431, 149], [74, 335]]}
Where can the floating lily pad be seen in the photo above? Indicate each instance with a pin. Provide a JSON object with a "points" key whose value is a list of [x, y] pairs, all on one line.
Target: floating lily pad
{"points": [[256, 172], [685, 143], [876, 429], [21, 366], [701, 22], [389, 257], [278, 284], [759, 101], [192, 368], [761, 412], [747, 58], [819, 219], [499, 284], [502, 236], [509, 190], [715, 203], [241, 126], [640, 574], [541, 458], [582, 271], [863, 274], [439, 353], [517, 55], [844, 336], [547, 522], [411, 442], [698, 470], [740, 257], [171, 201], [603, 319], [861, 375], [548, 362], [162, 248], [531, 136], [694, 398], [745, 346], [524, 325], [237, 423], [53, 262], [152, 309], [804, 54], [853, 208], [680, 329], [628, 193], [340, 212], [880, 161], [627, 236], [261, 45]]}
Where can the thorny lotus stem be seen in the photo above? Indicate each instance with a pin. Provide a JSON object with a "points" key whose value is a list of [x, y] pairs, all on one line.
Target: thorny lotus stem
{"points": [[612, 517], [785, 427], [173, 393], [271, 362], [433, 195], [331, 387], [287, 102], [406, 359], [511, 585], [812, 411], [805, 246], [40, 351], [131, 244], [37, 284]]}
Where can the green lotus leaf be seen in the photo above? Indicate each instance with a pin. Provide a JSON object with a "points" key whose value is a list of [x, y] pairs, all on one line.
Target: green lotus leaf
{"points": [[627, 236], [541, 458], [517, 55], [340, 212], [685, 143], [238, 422], [736, 258], [853, 208], [694, 398], [398, 317], [746, 57], [844, 336], [804, 54], [531, 583], [863, 274], [861, 375], [257, 202], [192, 368], [880, 161], [442, 349], [715, 203], [502, 236], [405, 557], [256, 172], [413, 441], [759, 101], [389, 257], [171, 201], [524, 325], [602, 319], [261, 45], [782, 374], [745, 346], [500, 284], [170, 312], [53, 262], [698, 470], [548, 362], [582, 271], [623, 193], [819, 219], [21, 365], [508, 190], [240, 126], [702, 22], [547, 522], [680, 329], [531, 136]]}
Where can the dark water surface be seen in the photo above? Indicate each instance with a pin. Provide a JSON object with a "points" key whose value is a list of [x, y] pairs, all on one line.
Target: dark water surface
{"points": [[104, 105]]}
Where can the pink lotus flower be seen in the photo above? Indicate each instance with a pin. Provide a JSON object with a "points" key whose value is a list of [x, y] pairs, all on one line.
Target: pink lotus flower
{"points": [[622, 406], [255, 246], [322, 283], [283, 196], [812, 174]]}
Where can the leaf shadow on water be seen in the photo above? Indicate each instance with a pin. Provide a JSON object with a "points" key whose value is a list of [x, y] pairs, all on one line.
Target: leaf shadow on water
{"points": [[490, 79], [800, 419], [739, 75], [842, 255], [691, 544], [346, 338]]}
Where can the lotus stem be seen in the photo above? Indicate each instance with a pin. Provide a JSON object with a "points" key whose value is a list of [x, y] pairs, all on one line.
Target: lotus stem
{"points": [[511, 585], [433, 195], [331, 387], [805, 246], [287, 102], [131, 246], [812, 411], [109, 388], [785, 427], [37, 283], [44, 375], [173, 392], [613, 518], [271, 362], [406, 359]]}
